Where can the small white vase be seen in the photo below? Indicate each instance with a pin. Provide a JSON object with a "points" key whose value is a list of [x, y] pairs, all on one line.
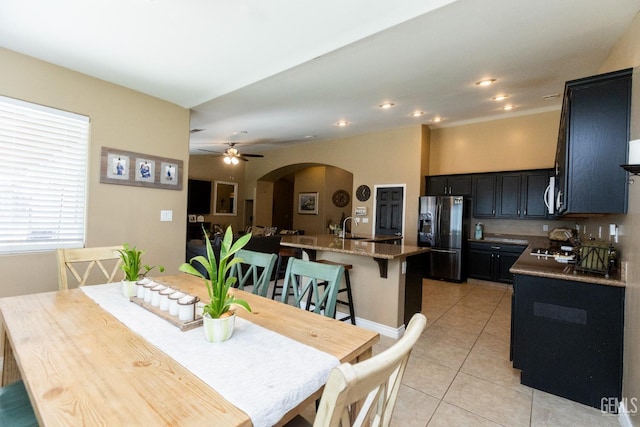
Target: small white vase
{"points": [[129, 288], [218, 330]]}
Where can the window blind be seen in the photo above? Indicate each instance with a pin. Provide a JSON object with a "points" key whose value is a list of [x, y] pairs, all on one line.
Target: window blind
{"points": [[43, 176]]}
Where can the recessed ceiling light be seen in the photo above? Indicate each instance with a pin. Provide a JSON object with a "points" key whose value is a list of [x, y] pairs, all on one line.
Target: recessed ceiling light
{"points": [[195, 130], [437, 119], [500, 97], [386, 105], [486, 82], [417, 114], [342, 123], [309, 136], [508, 107]]}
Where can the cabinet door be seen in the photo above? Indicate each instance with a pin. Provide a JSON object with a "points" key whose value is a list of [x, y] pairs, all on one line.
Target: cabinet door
{"points": [[508, 200], [460, 185], [599, 133], [504, 261], [481, 264], [437, 185], [534, 185], [484, 196]]}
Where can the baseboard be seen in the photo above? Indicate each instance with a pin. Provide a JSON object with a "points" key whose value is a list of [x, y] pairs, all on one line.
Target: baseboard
{"points": [[385, 330], [624, 416]]}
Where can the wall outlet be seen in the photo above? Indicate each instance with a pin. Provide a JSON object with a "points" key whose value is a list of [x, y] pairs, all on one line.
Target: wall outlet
{"points": [[365, 220], [545, 227]]}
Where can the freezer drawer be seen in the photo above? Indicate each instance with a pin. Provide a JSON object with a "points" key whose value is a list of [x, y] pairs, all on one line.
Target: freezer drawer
{"points": [[446, 264]]}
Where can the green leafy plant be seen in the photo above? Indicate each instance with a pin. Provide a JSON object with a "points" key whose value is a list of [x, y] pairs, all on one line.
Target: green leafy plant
{"points": [[221, 297], [132, 263]]}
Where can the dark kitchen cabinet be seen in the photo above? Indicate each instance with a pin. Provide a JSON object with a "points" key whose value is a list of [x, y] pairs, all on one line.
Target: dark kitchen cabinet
{"points": [[448, 185], [492, 261], [567, 337], [484, 195], [515, 195], [592, 144]]}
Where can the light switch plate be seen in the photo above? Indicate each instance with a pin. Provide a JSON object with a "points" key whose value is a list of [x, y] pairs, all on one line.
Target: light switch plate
{"points": [[166, 216]]}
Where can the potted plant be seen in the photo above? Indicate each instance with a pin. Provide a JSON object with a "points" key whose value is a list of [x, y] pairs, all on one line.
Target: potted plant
{"points": [[132, 267], [219, 313]]}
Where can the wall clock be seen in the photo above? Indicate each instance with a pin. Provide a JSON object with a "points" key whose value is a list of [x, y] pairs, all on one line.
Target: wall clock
{"points": [[363, 193], [341, 198]]}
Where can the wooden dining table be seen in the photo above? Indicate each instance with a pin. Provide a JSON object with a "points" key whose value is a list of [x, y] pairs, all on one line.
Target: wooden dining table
{"points": [[82, 366]]}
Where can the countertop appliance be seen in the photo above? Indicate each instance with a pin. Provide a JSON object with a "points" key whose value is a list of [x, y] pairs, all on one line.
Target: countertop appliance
{"points": [[443, 226]]}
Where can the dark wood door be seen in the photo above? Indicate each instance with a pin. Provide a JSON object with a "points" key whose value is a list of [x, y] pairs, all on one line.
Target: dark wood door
{"points": [[389, 211], [484, 196], [533, 187], [508, 204], [437, 185]]}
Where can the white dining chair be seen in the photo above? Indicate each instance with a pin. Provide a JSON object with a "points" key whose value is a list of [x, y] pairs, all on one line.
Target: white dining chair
{"points": [[81, 262], [365, 393]]}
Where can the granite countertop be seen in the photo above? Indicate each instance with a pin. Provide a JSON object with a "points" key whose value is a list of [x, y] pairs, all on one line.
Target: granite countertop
{"points": [[374, 247], [532, 265]]}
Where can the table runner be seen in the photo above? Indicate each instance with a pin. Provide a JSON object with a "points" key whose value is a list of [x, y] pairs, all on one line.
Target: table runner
{"points": [[261, 372]]}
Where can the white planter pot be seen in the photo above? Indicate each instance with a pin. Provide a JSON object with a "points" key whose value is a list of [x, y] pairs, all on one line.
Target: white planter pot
{"points": [[218, 330], [128, 288]]}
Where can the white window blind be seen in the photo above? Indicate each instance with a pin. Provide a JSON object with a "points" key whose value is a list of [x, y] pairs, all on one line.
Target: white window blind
{"points": [[43, 175]]}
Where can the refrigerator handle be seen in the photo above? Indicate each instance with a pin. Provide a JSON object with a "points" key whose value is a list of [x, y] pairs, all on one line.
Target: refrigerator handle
{"points": [[444, 251], [437, 223]]}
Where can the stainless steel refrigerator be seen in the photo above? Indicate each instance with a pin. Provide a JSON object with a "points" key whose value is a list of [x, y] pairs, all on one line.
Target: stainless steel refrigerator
{"points": [[443, 226]]}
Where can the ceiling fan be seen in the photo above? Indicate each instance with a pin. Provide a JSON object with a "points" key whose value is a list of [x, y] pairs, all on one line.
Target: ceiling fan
{"points": [[231, 154]]}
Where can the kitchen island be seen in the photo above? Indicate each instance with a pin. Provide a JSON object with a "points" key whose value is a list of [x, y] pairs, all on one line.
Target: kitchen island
{"points": [[386, 279], [567, 329]]}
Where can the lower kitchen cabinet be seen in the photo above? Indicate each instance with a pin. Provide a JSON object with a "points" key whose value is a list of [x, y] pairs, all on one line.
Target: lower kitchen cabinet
{"points": [[492, 261], [567, 338]]}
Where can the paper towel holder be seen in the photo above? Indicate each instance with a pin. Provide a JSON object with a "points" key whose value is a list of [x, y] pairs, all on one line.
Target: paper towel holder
{"points": [[632, 169]]}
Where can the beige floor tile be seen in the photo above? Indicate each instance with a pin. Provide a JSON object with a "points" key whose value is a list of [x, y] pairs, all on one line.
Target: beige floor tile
{"points": [[493, 345], [553, 411], [499, 404], [494, 369], [413, 408], [451, 416], [428, 377], [440, 350]]}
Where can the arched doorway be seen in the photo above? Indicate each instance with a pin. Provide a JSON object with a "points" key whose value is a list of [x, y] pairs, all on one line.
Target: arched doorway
{"points": [[278, 194]]}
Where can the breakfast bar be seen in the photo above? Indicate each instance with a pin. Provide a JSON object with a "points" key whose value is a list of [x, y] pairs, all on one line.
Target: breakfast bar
{"points": [[386, 278]]}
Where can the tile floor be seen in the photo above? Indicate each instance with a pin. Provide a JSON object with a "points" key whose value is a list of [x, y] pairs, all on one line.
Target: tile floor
{"points": [[459, 373]]}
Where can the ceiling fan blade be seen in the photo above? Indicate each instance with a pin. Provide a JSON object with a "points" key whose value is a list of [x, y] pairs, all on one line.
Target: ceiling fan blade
{"points": [[215, 153], [252, 155], [242, 157]]}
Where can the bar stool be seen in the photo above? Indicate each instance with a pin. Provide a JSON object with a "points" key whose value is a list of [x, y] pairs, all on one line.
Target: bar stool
{"points": [[347, 289], [284, 253]]}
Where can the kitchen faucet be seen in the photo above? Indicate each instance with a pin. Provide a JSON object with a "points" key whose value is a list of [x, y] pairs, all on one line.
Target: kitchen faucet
{"points": [[344, 225]]}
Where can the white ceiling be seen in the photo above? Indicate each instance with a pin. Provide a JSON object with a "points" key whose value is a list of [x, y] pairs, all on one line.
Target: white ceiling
{"points": [[284, 69]]}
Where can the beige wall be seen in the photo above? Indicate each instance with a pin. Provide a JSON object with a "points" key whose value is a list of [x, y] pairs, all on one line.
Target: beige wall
{"points": [[120, 118], [514, 143], [627, 54], [213, 169], [382, 158]]}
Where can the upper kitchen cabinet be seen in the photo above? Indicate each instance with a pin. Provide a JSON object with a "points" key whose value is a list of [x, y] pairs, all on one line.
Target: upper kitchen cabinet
{"points": [[516, 195], [592, 144], [448, 185]]}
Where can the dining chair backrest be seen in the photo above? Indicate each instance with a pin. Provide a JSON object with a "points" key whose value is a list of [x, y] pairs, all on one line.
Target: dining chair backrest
{"points": [[372, 384], [255, 270], [302, 280], [106, 259], [15, 407]]}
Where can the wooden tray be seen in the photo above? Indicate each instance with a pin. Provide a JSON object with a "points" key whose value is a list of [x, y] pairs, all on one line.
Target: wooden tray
{"points": [[184, 326]]}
